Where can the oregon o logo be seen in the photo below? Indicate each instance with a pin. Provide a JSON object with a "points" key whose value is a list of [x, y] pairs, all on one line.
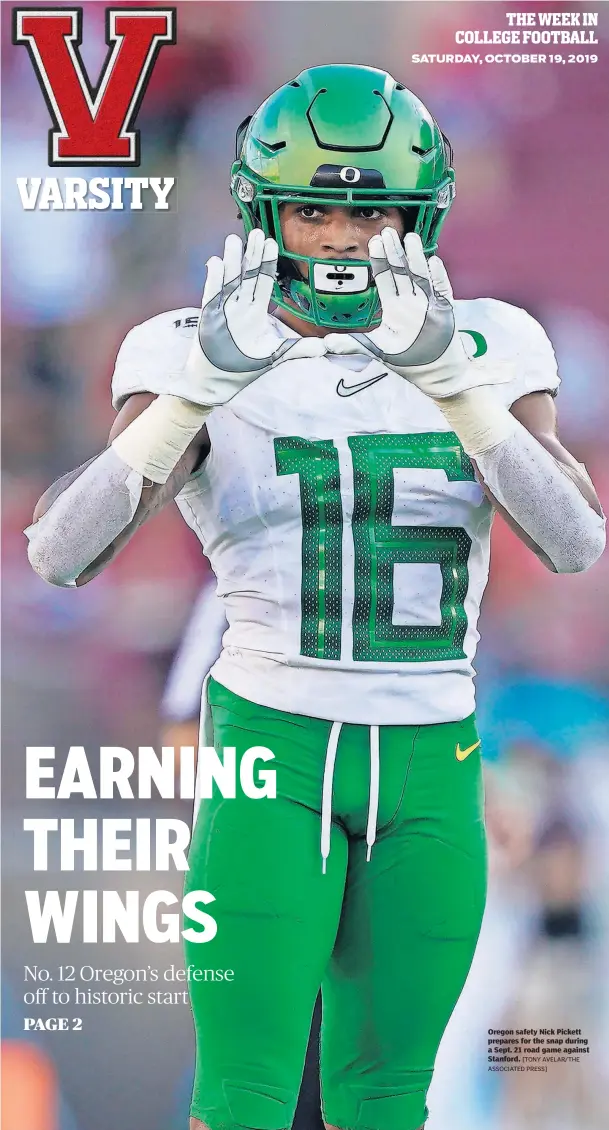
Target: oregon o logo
{"points": [[479, 341], [350, 174]]}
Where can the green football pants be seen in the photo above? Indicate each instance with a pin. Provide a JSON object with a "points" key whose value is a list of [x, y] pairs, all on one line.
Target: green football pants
{"points": [[390, 939]]}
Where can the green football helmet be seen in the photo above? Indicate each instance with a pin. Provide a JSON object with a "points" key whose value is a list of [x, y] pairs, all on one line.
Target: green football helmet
{"points": [[349, 136]]}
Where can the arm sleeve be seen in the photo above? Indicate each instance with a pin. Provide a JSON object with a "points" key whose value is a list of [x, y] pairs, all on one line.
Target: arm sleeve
{"points": [[84, 519], [544, 501]]}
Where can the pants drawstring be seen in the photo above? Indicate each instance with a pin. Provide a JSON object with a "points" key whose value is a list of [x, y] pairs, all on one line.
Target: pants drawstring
{"points": [[373, 803], [326, 794]]}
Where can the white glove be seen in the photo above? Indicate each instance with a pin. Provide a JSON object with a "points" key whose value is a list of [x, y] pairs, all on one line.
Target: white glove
{"points": [[417, 337], [235, 340]]}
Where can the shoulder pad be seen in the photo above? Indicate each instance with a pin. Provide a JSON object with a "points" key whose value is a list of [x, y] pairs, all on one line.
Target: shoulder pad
{"points": [[153, 354], [509, 333]]}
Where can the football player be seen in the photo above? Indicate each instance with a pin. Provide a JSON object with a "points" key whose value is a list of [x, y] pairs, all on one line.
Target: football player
{"points": [[340, 458]]}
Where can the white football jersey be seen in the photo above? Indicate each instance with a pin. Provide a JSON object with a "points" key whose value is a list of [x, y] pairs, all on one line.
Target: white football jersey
{"points": [[344, 523]]}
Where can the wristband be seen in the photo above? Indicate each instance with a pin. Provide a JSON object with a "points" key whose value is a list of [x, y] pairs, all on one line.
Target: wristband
{"points": [[480, 420], [156, 440]]}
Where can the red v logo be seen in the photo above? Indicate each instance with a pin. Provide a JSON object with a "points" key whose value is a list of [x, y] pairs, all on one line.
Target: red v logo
{"points": [[93, 125]]}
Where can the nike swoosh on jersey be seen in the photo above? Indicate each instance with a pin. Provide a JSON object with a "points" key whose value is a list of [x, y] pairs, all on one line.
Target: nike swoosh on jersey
{"points": [[350, 390], [461, 754]]}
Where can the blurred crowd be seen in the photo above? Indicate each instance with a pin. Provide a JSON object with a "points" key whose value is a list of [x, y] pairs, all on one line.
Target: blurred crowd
{"points": [[529, 225]]}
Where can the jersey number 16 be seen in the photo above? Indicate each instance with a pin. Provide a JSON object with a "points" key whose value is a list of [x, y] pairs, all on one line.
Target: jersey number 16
{"points": [[379, 544]]}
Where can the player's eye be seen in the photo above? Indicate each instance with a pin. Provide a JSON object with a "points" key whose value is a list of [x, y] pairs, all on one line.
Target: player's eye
{"points": [[310, 212], [371, 213]]}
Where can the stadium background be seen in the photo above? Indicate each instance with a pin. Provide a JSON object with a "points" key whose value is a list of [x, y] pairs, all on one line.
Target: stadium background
{"points": [[530, 226]]}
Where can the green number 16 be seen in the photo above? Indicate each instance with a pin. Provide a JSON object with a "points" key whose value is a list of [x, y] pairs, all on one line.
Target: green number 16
{"points": [[379, 544]]}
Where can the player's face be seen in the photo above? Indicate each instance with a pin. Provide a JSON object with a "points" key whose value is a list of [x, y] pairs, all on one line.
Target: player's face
{"points": [[326, 231]]}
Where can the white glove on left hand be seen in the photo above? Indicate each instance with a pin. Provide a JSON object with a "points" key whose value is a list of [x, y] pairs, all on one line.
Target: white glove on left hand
{"points": [[418, 336]]}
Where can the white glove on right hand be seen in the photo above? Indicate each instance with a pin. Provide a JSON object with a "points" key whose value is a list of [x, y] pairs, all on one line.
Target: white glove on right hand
{"points": [[418, 336], [236, 342]]}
